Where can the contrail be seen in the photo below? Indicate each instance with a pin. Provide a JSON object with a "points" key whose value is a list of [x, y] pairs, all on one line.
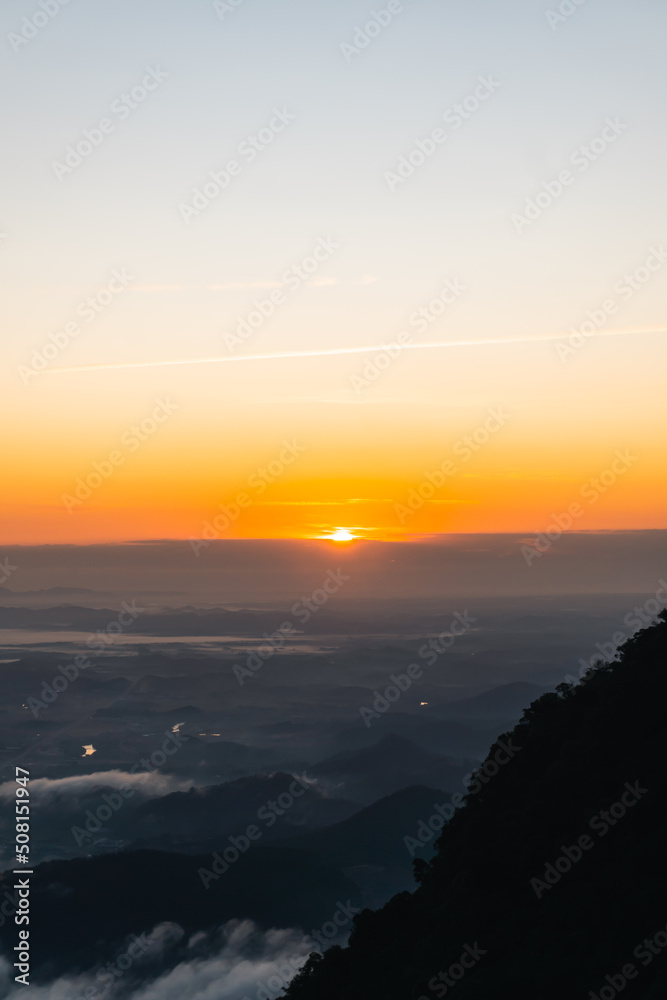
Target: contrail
{"points": [[331, 352]]}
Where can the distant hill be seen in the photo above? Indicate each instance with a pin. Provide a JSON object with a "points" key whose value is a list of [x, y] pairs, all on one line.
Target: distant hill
{"points": [[550, 878], [204, 815], [377, 845], [392, 763], [375, 835], [505, 702]]}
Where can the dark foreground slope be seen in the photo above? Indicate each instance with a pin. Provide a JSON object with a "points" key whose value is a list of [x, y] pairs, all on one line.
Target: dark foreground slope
{"points": [[588, 781]]}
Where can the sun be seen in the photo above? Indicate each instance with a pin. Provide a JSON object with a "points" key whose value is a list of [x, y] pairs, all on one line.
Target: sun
{"points": [[342, 535]]}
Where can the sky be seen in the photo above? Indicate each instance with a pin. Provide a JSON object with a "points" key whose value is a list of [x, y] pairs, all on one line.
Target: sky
{"points": [[480, 176]]}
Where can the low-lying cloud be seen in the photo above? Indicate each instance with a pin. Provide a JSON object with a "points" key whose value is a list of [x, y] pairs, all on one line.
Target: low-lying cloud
{"points": [[46, 791], [239, 962]]}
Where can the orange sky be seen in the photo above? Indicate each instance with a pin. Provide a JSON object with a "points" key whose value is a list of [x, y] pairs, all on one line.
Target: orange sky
{"points": [[388, 467]]}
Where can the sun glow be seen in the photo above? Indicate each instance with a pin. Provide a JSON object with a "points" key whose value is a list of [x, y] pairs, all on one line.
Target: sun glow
{"points": [[341, 535]]}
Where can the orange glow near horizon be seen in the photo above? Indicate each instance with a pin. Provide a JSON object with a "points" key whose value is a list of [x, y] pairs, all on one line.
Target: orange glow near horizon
{"points": [[256, 458], [514, 484], [487, 501]]}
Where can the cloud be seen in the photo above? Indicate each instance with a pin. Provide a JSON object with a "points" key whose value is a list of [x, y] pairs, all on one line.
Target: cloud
{"points": [[239, 962], [48, 790], [336, 351], [228, 286]]}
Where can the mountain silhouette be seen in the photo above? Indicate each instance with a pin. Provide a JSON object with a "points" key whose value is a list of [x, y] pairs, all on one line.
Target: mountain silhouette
{"points": [[198, 819], [550, 881], [377, 845], [505, 702], [392, 763]]}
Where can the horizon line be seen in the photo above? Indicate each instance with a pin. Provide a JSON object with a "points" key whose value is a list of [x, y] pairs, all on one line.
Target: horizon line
{"points": [[415, 539]]}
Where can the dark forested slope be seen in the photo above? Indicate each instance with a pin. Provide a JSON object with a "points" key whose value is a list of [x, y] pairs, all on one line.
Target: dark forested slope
{"points": [[550, 883]]}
